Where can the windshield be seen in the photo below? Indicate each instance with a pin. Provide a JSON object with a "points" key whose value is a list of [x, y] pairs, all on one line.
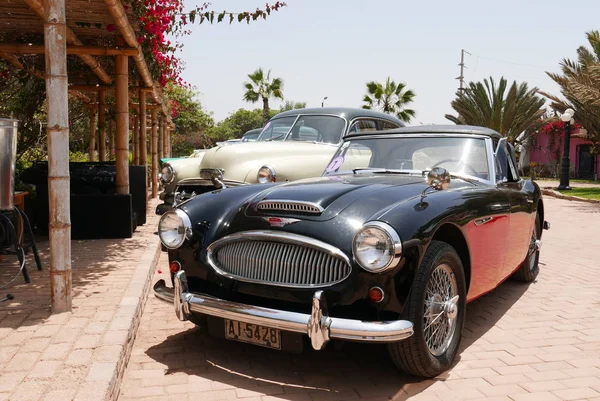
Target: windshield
{"points": [[459, 155], [325, 129]]}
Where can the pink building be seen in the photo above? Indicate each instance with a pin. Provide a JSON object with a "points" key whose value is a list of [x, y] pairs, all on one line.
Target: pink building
{"points": [[548, 149]]}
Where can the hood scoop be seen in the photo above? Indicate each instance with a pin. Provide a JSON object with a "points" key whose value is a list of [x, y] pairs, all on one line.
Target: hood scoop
{"points": [[289, 207]]}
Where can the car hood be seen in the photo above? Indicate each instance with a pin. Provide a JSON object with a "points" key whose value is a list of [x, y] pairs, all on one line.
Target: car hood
{"points": [[246, 156], [347, 201], [368, 193]]}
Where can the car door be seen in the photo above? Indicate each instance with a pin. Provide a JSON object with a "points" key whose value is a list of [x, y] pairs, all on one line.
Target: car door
{"points": [[522, 217]]}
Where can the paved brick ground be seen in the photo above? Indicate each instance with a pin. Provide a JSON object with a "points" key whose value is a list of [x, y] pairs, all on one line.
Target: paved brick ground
{"points": [[521, 343], [76, 355], [573, 184]]}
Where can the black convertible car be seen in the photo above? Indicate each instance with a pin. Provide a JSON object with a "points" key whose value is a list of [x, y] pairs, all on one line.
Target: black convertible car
{"points": [[388, 246]]}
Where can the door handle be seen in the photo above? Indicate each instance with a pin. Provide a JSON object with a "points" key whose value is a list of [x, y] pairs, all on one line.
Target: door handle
{"points": [[496, 207], [484, 220]]}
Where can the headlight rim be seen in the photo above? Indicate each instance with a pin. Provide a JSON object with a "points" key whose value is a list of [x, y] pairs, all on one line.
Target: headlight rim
{"points": [[272, 173], [187, 225], [392, 235], [171, 170]]}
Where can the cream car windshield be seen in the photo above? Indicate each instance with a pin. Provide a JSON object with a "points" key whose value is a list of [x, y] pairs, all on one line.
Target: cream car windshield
{"points": [[324, 129], [462, 156]]}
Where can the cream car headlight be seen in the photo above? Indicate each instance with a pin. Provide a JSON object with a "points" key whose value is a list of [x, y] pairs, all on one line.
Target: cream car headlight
{"points": [[266, 174], [174, 228], [167, 174], [377, 247]]}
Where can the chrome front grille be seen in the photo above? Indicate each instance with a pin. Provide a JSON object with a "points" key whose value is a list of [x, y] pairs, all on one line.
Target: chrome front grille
{"points": [[279, 259], [289, 206]]}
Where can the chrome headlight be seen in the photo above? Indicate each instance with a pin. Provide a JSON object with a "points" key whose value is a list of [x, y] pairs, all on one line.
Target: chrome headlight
{"points": [[167, 175], [174, 228], [377, 247], [266, 174]]}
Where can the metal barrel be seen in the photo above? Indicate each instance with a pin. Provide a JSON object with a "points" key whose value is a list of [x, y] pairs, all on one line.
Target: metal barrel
{"points": [[8, 154]]}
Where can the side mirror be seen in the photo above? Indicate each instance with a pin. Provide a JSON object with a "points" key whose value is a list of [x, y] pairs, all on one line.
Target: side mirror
{"points": [[438, 178]]}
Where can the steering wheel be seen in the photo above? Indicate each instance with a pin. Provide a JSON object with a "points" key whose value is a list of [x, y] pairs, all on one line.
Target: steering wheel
{"points": [[471, 168]]}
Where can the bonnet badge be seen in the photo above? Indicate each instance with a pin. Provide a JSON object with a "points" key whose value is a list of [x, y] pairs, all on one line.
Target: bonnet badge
{"points": [[279, 221]]}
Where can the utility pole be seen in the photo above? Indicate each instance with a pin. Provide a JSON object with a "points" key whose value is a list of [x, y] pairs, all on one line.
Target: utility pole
{"points": [[461, 78]]}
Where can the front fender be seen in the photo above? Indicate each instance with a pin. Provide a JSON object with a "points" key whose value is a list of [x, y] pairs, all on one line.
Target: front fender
{"points": [[291, 168]]}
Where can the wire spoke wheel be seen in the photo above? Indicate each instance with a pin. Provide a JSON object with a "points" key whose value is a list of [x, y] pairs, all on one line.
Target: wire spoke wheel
{"points": [[533, 248], [437, 307], [440, 310]]}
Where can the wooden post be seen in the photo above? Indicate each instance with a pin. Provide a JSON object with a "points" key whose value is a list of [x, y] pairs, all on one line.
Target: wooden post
{"points": [[165, 143], [153, 149], [57, 93], [92, 145], [161, 136], [170, 141], [122, 120], [136, 140], [111, 139], [102, 125], [142, 129]]}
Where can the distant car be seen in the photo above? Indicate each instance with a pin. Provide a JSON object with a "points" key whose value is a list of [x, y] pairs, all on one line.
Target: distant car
{"points": [[252, 135], [175, 169], [404, 228], [293, 145]]}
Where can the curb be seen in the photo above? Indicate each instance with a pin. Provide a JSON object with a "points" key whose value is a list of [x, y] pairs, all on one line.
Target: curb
{"points": [[556, 194], [129, 313]]}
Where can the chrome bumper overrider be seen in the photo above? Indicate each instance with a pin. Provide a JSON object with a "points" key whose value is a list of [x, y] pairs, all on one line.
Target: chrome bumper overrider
{"points": [[317, 325]]}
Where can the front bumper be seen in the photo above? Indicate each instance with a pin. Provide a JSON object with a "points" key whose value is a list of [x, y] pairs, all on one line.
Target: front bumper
{"points": [[317, 325]]}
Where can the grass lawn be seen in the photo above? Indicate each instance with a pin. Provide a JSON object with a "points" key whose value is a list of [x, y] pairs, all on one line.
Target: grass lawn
{"points": [[589, 193]]}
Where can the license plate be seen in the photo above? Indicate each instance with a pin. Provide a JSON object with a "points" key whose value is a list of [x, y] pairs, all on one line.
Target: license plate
{"points": [[253, 334]]}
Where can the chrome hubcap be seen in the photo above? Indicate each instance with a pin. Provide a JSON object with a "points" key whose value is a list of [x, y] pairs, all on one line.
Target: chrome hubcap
{"points": [[441, 310], [534, 246]]}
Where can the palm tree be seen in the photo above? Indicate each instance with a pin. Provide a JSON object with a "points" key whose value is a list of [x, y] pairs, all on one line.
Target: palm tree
{"points": [[580, 86], [391, 98], [489, 105], [262, 87]]}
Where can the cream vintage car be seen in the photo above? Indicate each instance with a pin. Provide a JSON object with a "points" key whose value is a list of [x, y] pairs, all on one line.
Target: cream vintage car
{"points": [[294, 144], [177, 169]]}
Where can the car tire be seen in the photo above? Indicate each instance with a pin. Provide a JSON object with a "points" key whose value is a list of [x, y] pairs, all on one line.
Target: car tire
{"points": [[416, 356], [530, 268]]}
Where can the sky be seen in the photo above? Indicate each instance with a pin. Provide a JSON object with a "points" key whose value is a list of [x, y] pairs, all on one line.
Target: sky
{"points": [[332, 48]]}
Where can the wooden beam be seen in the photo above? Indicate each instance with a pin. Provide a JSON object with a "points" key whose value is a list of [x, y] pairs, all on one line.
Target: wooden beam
{"points": [[122, 120], [102, 126], [21, 48], [58, 155], [153, 149], [38, 7]]}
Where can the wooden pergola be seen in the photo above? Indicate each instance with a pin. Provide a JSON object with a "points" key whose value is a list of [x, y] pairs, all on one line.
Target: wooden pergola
{"points": [[90, 51]]}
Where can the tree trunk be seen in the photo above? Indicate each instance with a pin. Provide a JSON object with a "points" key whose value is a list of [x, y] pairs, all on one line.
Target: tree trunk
{"points": [[265, 110], [55, 40]]}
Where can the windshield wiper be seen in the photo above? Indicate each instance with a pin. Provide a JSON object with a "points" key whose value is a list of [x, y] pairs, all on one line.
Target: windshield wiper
{"points": [[274, 138], [379, 170]]}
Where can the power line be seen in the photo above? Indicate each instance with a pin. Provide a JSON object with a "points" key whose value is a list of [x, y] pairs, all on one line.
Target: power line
{"points": [[513, 63]]}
